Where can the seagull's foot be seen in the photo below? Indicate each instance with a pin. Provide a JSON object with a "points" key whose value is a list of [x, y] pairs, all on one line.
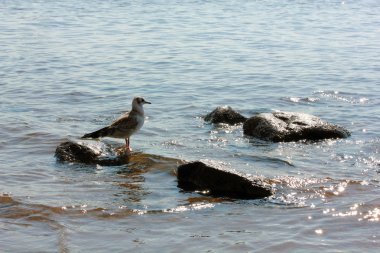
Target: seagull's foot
{"points": [[123, 150], [127, 147]]}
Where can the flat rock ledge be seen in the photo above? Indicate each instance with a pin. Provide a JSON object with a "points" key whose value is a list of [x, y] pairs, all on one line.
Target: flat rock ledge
{"points": [[226, 115], [197, 176], [291, 126]]}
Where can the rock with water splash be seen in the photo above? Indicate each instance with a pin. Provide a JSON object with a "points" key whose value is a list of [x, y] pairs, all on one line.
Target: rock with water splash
{"points": [[225, 114], [292, 126], [79, 153], [197, 176]]}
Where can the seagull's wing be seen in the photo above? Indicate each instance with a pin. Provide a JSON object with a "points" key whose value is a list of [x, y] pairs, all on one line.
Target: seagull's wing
{"points": [[126, 121], [126, 114]]}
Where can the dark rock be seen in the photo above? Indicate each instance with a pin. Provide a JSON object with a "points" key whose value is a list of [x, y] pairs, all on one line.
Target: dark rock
{"points": [[78, 153], [106, 155], [197, 176], [74, 152], [291, 126], [225, 114]]}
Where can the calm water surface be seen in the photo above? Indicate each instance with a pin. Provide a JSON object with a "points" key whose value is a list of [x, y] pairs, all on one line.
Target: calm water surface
{"points": [[70, 67]]}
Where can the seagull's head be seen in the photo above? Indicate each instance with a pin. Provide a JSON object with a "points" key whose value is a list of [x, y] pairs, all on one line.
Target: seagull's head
{"points": [[139, 101]]}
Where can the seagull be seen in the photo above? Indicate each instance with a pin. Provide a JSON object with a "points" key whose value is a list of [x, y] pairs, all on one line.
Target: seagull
{"points": [[126, 125]]}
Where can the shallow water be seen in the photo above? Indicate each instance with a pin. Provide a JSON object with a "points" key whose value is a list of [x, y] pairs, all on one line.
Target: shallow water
{"points": [[69, 68]]}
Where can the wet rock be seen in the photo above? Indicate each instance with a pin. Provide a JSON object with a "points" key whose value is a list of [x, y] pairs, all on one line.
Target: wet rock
{"points": [[78, 153], [292, 126], [106, 155], [225, 114], [197, 176]]}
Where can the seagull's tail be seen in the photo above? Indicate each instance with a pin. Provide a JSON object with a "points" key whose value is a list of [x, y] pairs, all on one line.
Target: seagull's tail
{"points": [[97, 134]]}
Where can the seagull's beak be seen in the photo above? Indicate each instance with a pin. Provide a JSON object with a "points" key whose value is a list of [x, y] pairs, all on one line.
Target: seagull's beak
{"points": [[146, 102]]}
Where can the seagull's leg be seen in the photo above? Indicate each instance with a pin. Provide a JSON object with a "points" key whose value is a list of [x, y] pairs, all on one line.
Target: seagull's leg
{"points": [[127, 144]]}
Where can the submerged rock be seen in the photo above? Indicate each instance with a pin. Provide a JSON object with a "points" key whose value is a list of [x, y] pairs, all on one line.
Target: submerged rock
{"points": [[197, 176], [292, 126], [194, 176], [225, 114]]}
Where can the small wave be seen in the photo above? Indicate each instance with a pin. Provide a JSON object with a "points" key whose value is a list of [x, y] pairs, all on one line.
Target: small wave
{"points": [[191, 207], [351, 98], [265, 159], [306, 100], [69, 119], [175, 143]]}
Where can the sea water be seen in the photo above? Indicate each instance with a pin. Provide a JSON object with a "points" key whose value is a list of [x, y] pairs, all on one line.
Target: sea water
{"points": [[71, 67]]}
